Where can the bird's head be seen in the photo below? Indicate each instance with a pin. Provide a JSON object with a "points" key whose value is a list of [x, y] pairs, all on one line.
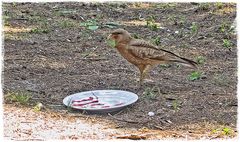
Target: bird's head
{"points": [[120, 36]]}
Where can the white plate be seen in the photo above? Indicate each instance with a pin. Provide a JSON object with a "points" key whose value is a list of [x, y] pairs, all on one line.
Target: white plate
{"points": [[100, 100]]}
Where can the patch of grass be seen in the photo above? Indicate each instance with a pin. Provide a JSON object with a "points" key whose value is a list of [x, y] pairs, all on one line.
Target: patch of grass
{"points": [[182, 20], [39, 30], [183, 46], [14, 4], [172, 18], [226, 131], [151, 24], [194, 28], [64, 12], [151, 93], [204, 6], [179, 20], [139, 4], [214, 131], [178, 65], [6, 20], [6, 23], [195, 75], [94, 25], [21, 97], [136, 36], [219, 5], [200, 59], [225, 10], [157, 40], [176, 105], [223, 131], [227, 43], [225, 27], [90, 24], [37, 18], [165, 5], [66, 24]]}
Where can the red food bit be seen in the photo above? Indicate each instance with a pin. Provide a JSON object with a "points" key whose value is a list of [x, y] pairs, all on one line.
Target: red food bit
{"points": [[88, 99], [96, 104], [76, 104], [105, 106], [118, 104]]}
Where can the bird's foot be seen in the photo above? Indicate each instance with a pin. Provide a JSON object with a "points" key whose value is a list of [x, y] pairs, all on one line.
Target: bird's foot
{"points": [[148, 81]]}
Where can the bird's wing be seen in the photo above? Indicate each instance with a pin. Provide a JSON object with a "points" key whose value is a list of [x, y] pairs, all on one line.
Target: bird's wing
{"points": [[144, 50], [150, 54]]}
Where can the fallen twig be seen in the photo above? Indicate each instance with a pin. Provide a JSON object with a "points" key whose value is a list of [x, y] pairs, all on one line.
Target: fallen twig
{"points": [[132, 137], [93, 59]]}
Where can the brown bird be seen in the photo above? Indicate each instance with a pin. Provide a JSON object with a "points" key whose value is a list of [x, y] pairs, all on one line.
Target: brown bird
{"points": [[143, 54]]}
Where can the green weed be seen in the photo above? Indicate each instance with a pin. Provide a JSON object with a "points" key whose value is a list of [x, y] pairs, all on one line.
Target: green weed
{"points": [[194, 28], [200, 59], [67, 23], [39, 30], [165, 5], [219, 5], [90, 24], [151, 93], [136, 36], [21, 97], [14, 4], [226, 131], [182, 20], [225, 28], [6, 20], [223, 131], [151, 24], [157, 40], [176, 105], [111, 43], [226, 43], [183, 46], [195, 75], [65, 12], [204, 6], [172, 18]]}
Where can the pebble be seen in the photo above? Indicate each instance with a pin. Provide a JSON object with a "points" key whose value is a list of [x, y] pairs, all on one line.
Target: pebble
{"points": [[151, 113], [162, 28]]}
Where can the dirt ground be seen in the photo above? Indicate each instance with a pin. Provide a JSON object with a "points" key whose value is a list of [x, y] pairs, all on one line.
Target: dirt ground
{"points": [[51, 54]]}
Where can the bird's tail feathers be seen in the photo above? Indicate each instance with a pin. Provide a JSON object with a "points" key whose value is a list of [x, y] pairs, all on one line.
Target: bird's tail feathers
{"points": [[186, 62]]}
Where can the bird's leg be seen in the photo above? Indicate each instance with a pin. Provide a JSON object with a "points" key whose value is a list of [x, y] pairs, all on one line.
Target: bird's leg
{"points": [[141, 69], [145, 72], [144, 69]]}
